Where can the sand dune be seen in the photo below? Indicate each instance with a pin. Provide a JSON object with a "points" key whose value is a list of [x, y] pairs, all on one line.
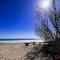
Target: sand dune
{"points": [[13, 51]]}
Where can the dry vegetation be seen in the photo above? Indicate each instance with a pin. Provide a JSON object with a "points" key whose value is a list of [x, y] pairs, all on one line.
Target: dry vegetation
{"points": [[36, 54]]}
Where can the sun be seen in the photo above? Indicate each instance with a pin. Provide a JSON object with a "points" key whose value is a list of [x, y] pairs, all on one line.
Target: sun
{"points": [[45, 4]]}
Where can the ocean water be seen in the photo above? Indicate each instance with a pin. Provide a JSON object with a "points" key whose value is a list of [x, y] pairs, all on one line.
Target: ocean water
{"points": [[20, 40]]}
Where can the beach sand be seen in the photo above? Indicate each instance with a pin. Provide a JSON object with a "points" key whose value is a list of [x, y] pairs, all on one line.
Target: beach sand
{"points": [[14, 51]]}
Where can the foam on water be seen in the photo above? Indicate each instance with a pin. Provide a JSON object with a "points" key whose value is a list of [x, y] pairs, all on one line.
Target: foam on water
{"points": [[20, 41]]}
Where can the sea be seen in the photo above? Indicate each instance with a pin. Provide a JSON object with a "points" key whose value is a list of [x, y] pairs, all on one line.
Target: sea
{"points": [[25, 40]]}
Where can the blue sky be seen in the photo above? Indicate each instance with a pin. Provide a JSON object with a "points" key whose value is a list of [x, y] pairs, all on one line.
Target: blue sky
{"points": [[17, 18]]}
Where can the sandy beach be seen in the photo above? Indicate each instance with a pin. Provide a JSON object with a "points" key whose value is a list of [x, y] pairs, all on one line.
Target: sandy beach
{"points": [[14, 51]]}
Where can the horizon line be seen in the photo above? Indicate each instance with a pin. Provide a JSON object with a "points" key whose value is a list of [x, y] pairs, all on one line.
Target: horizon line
{"points": [[19, 39]]}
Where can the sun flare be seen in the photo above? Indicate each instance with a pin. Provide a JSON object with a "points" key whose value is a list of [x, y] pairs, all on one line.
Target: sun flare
{"points": [[44, 4]]}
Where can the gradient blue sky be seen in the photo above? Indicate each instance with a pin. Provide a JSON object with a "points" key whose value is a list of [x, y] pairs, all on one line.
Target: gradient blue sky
{"points": [[17, 18]]}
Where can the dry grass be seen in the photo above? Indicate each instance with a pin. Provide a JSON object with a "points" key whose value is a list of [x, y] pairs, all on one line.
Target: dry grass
{"points": [[36, 54]]}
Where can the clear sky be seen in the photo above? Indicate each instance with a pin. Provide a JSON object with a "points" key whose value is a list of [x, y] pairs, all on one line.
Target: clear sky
{"points": [[17, 18]]}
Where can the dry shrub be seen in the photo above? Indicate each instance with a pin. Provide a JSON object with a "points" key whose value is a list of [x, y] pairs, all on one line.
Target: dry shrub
{"points": [[36, 54]]}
